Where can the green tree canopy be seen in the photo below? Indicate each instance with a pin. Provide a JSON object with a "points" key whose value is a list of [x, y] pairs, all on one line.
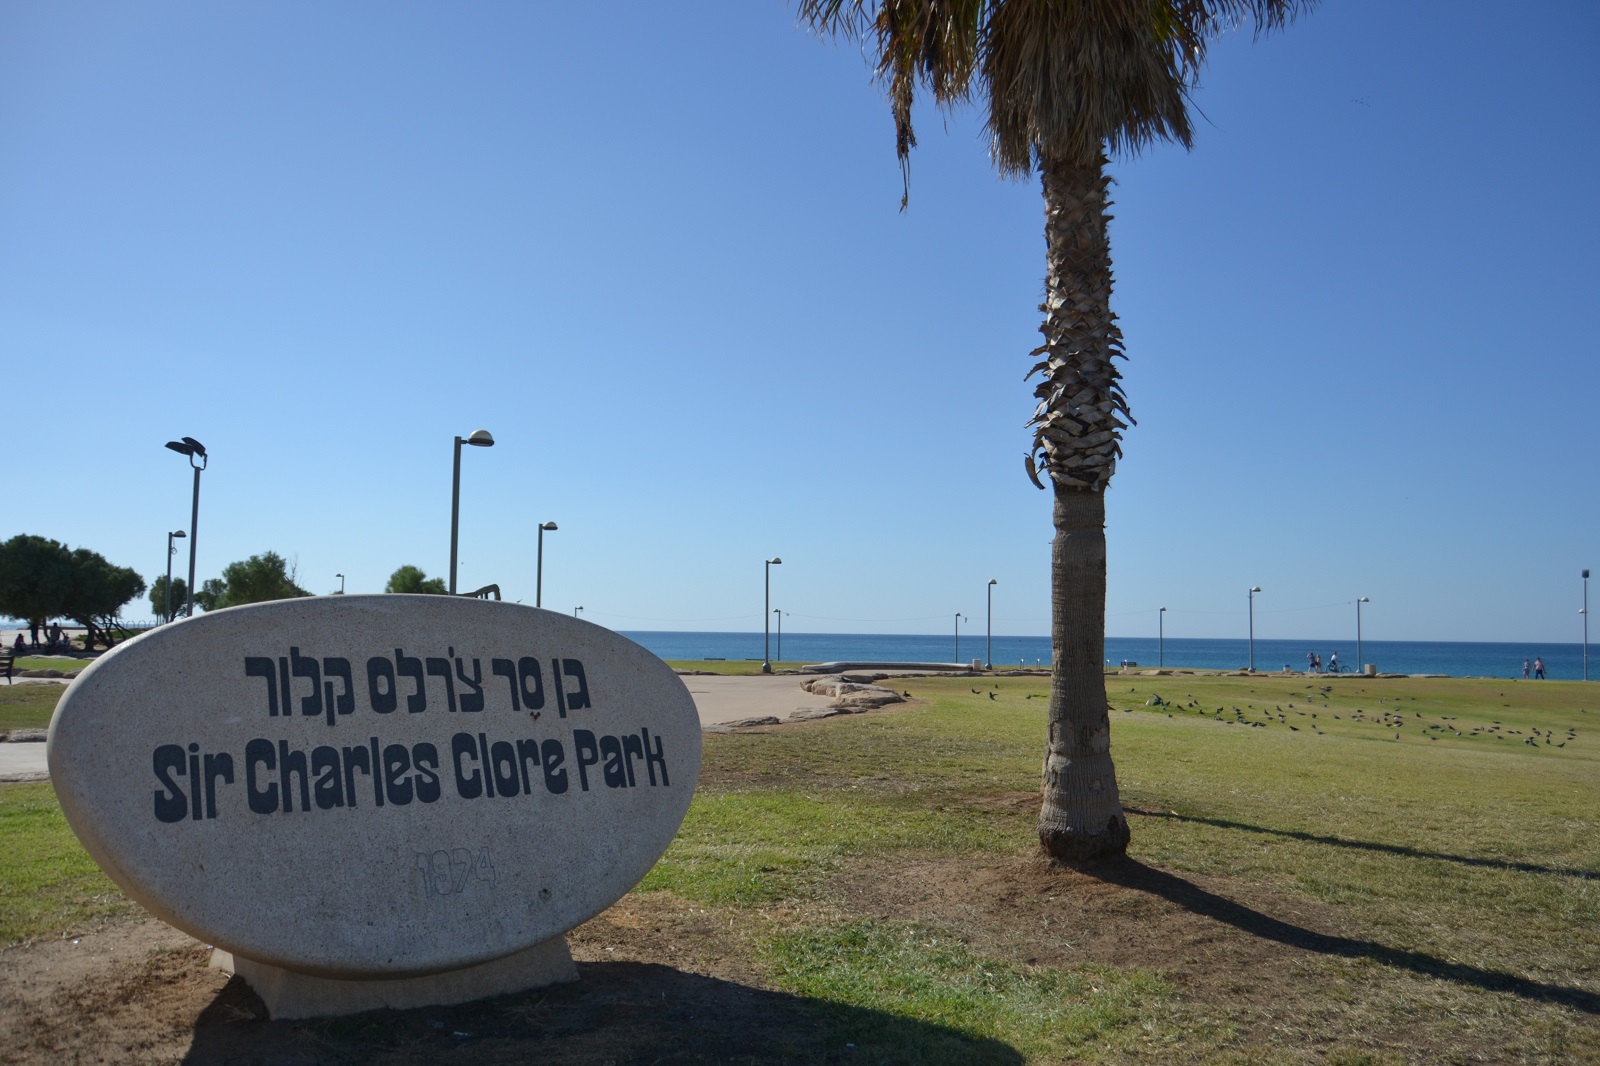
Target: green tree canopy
{"points": [[254, 580], [158, 596], [35, 579], [42, 579], [411, 579]]}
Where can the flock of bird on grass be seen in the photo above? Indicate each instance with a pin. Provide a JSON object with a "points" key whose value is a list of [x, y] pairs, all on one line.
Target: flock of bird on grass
{"points": [[1384, 717]]}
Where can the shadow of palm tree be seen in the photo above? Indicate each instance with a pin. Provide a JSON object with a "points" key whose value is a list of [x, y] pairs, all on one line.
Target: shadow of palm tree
{"points": [[1132, 874], [619, 1012], [1368, 845]]}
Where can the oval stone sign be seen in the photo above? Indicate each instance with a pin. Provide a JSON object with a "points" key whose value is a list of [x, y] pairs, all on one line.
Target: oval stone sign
{"points": [[376, 786]]}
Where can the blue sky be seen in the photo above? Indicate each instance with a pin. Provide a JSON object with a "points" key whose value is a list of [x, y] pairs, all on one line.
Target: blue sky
{"points": [[661, 261]]}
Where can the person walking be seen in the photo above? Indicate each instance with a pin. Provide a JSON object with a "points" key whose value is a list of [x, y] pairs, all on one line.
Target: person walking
{"points": [[1525, 667], [1538, 668]]}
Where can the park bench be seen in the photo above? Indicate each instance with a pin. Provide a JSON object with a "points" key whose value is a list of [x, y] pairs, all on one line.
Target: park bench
{"points": [[8, 663]]}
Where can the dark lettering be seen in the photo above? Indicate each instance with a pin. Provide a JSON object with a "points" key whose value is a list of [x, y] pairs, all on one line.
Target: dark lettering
{"points": [[527, 751], [441, 668], [488, 774], [383, 700], [377, 772], [425, 758], [289, 764], [194, 782], [462, 745], [555, 778], [615, 775], [584, 747], [470, 701], [654, 759], [304, 666], [396, 774], [260, 752], [261, 666], [410, 666], [354, 759], [632, 748], [219, 765], [576, 701], [555, 683], [507, 669], [345, 703], [503, 761], [528, 669], [171, 805], [325, 768]]}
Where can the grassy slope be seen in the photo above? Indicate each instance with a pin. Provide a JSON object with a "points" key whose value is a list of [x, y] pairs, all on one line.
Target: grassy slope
{"points": [[1459, 864]]}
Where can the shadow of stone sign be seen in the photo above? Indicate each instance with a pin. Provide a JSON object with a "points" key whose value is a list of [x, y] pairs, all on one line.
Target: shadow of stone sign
{"points": [[619, 1012], [377, 801]]}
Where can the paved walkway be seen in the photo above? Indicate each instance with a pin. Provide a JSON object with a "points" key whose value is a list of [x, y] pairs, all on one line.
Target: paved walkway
{"points": [[719, 700]]}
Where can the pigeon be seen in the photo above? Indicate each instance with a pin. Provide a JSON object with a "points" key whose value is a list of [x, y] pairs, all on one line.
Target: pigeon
{"points": [[991, 695]]}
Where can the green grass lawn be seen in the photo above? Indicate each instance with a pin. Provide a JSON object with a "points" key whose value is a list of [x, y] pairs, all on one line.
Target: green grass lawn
{"points": [[28, 706], [1415, 880]]}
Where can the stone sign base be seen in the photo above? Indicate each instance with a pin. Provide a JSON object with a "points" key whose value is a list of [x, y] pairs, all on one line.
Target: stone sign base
{"points": [[288, 994]]}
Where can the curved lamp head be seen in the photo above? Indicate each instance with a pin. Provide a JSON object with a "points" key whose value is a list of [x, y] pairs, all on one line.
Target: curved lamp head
{"points": [[1256, 588], [992, 581], [180, 534], [548, 525], [1163, 610], [480, 438], [180, 447], [1363, 600], [774, 561]]}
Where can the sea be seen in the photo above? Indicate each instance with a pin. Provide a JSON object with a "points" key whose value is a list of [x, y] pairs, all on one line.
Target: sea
{"points": [[1452, 658]]}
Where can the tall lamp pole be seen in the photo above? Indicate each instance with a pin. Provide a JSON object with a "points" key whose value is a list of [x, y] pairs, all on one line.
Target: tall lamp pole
{"points": [[779, 613], [538, 587], [170, 550], [341, 583], [575, 611], [478, 438], [958, 636], [1359, 663], [1253, 590], [988, 648], [1585, 613], [1161, 638], [195, 451], [766, 618]]}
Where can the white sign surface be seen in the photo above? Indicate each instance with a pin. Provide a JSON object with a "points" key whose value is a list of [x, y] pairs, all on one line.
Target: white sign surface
{"points": [[376, 786]]}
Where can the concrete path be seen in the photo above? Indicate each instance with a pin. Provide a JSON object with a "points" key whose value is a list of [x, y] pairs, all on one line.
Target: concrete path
{"points": [[719, 700]]}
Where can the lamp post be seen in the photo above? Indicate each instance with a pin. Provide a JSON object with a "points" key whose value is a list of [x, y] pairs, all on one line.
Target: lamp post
{"points": [[766, 618], [1161, 638], [538, 587], [575, 611], [1585, 612], [341, 583], [959, 619], [170, 550], [1359, 665], [478, 438], [779, 613], [1253, 590], [988, 647], [194, 450]]}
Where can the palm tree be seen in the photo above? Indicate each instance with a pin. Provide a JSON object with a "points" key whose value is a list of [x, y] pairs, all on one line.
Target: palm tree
{"points": [[1068, 83]]}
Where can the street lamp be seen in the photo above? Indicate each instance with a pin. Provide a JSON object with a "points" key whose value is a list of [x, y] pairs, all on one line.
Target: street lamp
{"points": [[766, 618], [779, 613], [479, 438], [538, 587], [959, 618], [575, 611], [170, 550], [1161, 638], [1585, 612], [1359, 602], [341, 583], [1253, 590], [194, 450], [988, 647]]}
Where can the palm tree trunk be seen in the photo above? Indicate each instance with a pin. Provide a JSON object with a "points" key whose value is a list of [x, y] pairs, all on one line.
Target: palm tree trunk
{"points": [[1076, 442]]}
